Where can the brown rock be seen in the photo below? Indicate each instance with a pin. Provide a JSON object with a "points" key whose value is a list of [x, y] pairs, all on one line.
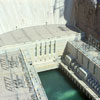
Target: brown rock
{"points": [[88, 17]]}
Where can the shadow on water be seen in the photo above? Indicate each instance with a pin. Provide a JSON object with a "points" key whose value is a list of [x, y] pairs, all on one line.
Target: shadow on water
{"points": [[68, 80], [59, 87]]}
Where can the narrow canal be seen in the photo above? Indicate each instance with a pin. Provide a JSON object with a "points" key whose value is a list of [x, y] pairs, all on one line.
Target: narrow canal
{"points": [[59, 87]]}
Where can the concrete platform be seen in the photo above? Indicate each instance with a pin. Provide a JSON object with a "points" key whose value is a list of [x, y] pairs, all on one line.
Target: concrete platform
{"points": [[32, 34], [27, 51]]}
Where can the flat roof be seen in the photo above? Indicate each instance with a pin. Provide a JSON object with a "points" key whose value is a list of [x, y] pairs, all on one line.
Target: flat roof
{"points": [[29, 34]]}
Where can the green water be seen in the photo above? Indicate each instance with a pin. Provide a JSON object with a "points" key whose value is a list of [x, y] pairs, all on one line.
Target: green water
{"points": [[58, 87]]}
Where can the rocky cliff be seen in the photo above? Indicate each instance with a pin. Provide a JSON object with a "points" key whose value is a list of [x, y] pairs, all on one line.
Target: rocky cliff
{"points": [[87, 15]]}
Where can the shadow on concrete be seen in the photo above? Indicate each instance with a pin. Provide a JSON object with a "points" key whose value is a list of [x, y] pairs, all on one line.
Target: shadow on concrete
{"points": [[66, 9], [69, 11], [69, 15]]}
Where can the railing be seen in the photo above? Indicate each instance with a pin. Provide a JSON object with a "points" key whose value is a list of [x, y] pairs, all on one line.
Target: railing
{"points": [[34, 78]]}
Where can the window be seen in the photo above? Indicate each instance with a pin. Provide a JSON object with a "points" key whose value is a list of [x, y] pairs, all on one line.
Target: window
{"points": [[50, 47], [54, 46], [82, 58], [77, 54], [88, 64], [36, 50], [45, 49], [94, 69], [41, 49]]}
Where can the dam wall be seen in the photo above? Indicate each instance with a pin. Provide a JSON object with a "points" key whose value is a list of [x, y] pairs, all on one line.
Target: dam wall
{"points": [[17, 14]]}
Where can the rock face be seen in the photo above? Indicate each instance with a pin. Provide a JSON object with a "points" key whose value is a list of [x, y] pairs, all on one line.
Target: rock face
{"points": [[87, 15]]}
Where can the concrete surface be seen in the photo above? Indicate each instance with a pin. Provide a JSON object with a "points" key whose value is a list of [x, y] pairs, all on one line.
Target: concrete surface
{"points": [[15, 14], [31, 34]]}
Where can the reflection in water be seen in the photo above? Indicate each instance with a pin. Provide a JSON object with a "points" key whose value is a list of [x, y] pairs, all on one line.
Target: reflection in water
{"points": [[58, 87], [66, 95]]}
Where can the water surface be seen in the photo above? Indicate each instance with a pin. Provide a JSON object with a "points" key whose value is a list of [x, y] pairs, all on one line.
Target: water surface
{"points": [[59, 87]]}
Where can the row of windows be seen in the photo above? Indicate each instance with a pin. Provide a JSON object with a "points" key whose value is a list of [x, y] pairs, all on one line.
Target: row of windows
{"points": [[50, 46], [94, 67], [88, 63]]}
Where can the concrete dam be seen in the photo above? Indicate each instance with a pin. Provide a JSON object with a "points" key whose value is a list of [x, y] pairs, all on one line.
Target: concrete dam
{"points": [[17, 14], [40, 36]]}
